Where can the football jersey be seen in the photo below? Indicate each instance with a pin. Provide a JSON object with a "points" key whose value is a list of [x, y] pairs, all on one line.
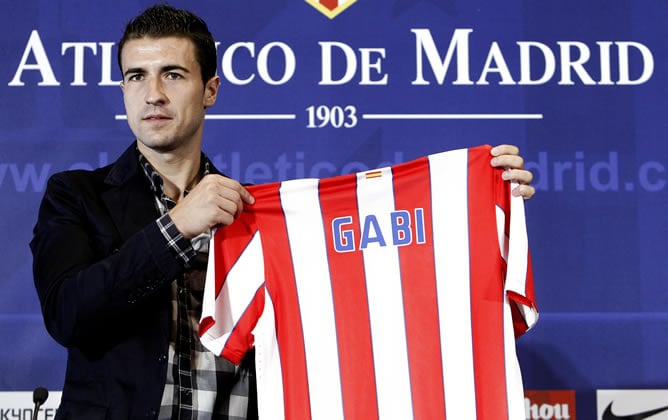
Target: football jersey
{"points": [[394, 293]]}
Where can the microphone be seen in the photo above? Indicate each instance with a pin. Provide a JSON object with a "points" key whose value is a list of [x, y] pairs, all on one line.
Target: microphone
{"points": [[39, 396]]}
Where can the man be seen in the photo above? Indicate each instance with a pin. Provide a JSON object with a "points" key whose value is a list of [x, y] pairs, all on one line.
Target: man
{"points": [[120, 252]]}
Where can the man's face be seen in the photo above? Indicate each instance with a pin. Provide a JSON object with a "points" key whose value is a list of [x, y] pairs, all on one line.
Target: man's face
{"points": [[164, 97]]}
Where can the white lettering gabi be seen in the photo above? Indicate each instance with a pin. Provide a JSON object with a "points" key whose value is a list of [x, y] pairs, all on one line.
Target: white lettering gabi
{"points": [[403, 231]]}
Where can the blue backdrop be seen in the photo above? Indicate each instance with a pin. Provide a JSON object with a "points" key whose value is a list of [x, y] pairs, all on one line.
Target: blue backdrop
{"points": [[579, 86]]}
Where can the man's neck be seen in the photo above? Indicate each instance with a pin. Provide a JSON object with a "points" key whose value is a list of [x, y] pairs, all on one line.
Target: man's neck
{"points": [[180, 172]]}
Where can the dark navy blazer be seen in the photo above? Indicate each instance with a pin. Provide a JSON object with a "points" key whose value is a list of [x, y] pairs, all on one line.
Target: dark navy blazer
{"points": [[102, 271]]}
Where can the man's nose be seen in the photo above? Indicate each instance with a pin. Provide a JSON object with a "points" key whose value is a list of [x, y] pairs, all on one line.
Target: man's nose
{"points": [[155, 93]]}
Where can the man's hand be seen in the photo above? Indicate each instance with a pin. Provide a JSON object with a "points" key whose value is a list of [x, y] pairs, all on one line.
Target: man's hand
{"points": [[508, 157], [215, 201]]}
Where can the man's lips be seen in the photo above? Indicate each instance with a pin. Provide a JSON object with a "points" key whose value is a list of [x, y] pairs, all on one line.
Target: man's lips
{"points": [[155, 117]]}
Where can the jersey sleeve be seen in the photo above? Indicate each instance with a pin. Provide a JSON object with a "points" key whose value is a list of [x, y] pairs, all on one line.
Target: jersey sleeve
{"points": [[234, 290], [514, 245]]}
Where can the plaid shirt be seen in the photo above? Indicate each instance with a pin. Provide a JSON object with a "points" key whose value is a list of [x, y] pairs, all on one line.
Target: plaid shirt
{"points": [[199, 384]]}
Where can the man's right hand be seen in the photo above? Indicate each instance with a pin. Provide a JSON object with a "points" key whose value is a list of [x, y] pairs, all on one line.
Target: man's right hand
{"points": [[215, 201]]}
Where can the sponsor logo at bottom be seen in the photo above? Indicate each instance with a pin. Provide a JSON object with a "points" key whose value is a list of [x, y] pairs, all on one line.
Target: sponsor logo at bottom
{"points": [[549, 405], [632, 404], [20, 405]]}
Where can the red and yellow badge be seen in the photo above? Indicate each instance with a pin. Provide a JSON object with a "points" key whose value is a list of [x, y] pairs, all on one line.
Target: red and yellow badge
{"points": [[331, 8]]}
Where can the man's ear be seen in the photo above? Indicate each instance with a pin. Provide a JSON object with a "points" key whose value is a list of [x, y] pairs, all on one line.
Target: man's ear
{"points": [[211, 91]]}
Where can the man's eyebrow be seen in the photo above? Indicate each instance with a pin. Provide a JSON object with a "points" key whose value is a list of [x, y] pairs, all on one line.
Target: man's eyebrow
{"points": [[134, 70], [174, 67], [171, 67]]}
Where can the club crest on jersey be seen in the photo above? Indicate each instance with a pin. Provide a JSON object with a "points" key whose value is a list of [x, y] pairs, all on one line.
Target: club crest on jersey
{"points": [[331, 8], [404, 229]]}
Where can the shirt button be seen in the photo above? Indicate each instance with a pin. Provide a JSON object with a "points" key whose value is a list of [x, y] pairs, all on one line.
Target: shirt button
{"points": [[162, 359]]}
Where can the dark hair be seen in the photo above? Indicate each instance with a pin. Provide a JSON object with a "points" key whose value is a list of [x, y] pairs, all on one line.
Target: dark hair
{"points": [[160, 21]]}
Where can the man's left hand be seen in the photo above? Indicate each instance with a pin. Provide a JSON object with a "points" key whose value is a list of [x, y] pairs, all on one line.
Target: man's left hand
{"points": [[508, 156]]}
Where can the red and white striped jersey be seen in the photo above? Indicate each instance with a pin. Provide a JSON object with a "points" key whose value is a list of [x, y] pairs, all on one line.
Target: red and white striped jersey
{"points": [[395, 293]]}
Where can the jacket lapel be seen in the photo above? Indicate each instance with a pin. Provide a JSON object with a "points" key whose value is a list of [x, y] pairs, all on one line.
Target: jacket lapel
{"points": [[128, 188]]}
